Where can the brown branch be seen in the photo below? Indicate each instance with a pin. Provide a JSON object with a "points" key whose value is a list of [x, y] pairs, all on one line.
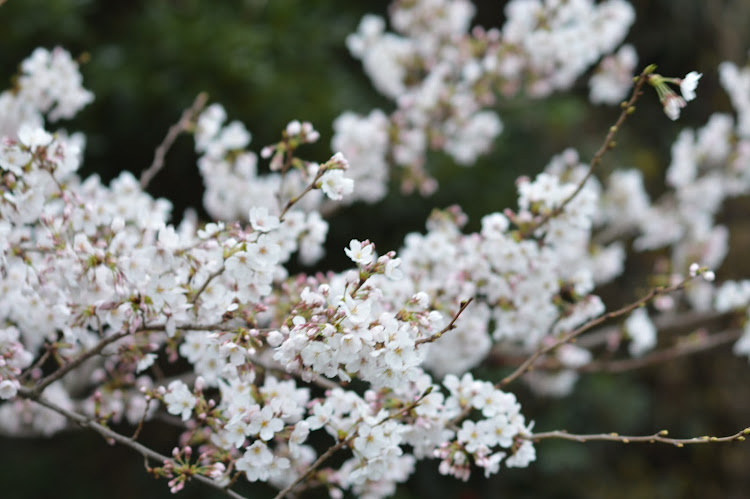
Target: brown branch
{"points": [[108, 434], [289, 157], [185, 123], [682, 349], [686, 346], [672, 321], [188, 327], [451, 325], [660, 437], [529, 362], [141, 421], [63, 370], [627, 109]]}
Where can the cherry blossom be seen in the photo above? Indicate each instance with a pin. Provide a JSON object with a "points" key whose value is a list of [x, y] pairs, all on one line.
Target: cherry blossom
{"points": [[99, 289]]}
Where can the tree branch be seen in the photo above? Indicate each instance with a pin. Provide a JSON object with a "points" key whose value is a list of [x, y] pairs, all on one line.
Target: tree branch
{"points": [[627, 109], [685, 346], [681, 349], [211, 277], [183, 125], [529, 362], [323, 457], [672, 321], [660, 437], [63, 370], [107, 433]]}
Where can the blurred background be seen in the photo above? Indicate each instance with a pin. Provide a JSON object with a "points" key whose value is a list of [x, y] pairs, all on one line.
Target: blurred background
{"points": [[269, 62]]}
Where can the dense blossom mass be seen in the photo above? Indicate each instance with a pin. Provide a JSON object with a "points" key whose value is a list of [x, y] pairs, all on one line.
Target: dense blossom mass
{"points": [[97, 287]]}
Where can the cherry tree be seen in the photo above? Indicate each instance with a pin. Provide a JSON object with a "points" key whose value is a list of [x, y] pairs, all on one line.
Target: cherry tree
{"points": [[98, 289]]}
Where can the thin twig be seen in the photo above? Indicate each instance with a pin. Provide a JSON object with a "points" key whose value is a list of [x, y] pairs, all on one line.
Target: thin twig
{"points": [[141, 421], [323, 457], [451, 325], [627, 109], [660, 437], [296, 199], [39, 362], [289, 157], [529, 362], [108, 434], [183, 125], [210, 278]]}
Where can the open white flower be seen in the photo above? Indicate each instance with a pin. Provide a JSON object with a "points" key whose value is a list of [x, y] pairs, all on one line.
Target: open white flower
{"points": [[261, 220], [335, 185], [641, 332], [689, 84], [359, 253]]}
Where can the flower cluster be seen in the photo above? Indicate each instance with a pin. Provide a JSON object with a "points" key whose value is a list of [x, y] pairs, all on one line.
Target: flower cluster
{"points": [[443, 76], [49, 84]]}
